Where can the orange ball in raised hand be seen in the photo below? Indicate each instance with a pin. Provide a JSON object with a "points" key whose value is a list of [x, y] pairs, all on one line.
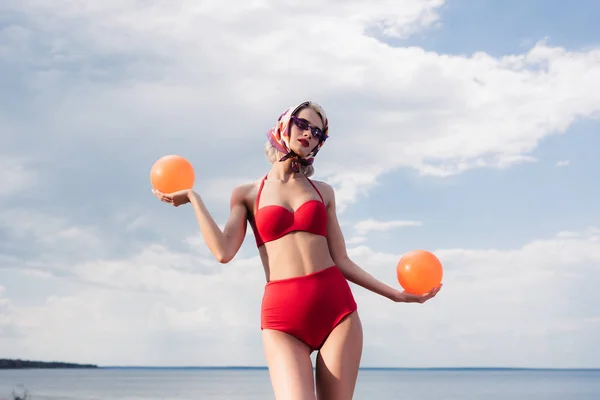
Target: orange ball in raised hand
{"points": [[419, 271], [172, 173]]}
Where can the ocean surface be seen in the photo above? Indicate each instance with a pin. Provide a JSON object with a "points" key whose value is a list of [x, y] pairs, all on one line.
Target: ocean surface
{"points": [[254, 384]]}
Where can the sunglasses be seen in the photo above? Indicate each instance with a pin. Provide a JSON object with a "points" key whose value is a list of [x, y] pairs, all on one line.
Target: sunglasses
{"points": [[304, 125]]}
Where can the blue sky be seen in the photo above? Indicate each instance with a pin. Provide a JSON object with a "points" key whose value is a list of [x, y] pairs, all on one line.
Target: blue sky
{"points": [[509, 27], [513, 205], [499, 209], [479, 126]]}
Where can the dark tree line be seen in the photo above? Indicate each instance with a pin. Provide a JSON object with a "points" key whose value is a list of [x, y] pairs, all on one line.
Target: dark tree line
{"points": [[16, 364]]}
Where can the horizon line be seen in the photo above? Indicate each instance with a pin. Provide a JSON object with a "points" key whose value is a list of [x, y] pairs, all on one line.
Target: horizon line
{"points": [[259, 367]]}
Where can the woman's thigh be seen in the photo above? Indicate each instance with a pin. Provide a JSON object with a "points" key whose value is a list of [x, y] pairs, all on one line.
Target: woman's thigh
{"points": [[339, 359], [290, 366]]}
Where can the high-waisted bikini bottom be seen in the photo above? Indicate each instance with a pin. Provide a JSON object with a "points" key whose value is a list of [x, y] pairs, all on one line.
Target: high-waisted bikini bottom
{"points": [[308, 307]]}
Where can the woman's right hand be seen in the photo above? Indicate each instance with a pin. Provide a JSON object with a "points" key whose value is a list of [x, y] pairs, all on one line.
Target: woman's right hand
{"points": [[176, 199], [404, 297]]}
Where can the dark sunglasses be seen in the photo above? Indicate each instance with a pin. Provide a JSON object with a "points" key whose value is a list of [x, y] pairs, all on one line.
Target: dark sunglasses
{"points": [[304, 125]]}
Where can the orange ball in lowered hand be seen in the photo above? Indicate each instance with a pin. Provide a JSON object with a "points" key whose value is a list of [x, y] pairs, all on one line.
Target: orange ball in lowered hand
{"points": [[419, 271], [172, 173]]}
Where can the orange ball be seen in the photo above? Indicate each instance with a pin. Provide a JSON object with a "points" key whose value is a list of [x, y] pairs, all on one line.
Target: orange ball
{"points": [[172, 173], [419, 271]]}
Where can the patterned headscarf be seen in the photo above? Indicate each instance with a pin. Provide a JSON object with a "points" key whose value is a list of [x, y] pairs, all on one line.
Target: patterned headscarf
{"points": [[279, 135]]}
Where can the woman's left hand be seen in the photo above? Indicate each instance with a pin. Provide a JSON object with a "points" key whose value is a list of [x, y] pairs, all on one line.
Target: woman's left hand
{"points": [[404, 297]]}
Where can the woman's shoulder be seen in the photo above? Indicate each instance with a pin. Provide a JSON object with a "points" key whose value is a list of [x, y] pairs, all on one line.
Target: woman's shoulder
{"points": [[324, 188], [321, 184], [245, 191]]}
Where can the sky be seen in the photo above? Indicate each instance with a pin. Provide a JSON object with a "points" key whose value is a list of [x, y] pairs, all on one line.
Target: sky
{"points": [[467, 128]]}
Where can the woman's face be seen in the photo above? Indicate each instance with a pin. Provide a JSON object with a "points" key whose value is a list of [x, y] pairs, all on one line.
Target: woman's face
{"points": [[302, 139]]}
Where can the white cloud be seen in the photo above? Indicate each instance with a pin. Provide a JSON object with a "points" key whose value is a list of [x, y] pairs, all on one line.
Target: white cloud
{"points": [[355, 240], [175, 84], [15, 177], [563, 163], [218, 189], [350, 184], [511, 304], [371, 225], [51, 233]]}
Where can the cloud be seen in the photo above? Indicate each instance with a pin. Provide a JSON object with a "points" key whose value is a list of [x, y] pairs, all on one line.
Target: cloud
{"points": [[370, 225], [159, 76], [355, 240], [6, 320], [512, 305], [15, 176], [563, 163]]}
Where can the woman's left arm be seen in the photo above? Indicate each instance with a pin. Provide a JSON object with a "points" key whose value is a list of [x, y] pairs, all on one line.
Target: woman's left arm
{"points": [[353, 272]]}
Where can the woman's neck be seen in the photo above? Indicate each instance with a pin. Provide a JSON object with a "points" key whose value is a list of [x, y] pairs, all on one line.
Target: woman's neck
{"points": [[283, 171]]}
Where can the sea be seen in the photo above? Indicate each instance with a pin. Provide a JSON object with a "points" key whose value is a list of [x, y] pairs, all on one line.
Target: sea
{"points": [[253, 384]]}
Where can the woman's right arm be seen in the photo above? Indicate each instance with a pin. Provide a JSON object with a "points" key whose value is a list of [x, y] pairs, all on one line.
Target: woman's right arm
{"points": [[223, 244]]}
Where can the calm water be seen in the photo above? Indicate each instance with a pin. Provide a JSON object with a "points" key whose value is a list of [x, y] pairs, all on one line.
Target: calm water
{"points": [[251, 384]]}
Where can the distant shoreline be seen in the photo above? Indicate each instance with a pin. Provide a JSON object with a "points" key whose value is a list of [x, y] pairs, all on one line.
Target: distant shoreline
{"points": [[6, 363], [32, 364]]}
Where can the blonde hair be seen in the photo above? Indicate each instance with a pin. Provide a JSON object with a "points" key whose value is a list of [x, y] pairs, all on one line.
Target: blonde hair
{"points": [[273, 155]]}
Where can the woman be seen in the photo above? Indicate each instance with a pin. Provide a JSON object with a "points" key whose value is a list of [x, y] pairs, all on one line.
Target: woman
{"points": [[307, 304]]}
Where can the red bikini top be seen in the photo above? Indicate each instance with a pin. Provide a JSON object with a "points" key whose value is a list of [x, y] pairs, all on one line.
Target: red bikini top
{"points": [[274, 221]]}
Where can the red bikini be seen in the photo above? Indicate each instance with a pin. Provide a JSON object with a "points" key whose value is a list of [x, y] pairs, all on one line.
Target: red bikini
{"points": [[274, 221], [307, 307]]}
